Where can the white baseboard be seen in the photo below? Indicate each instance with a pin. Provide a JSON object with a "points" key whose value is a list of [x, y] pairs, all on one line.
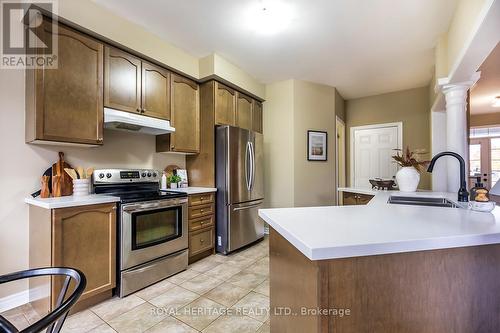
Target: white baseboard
{"points": [[14, 300]]}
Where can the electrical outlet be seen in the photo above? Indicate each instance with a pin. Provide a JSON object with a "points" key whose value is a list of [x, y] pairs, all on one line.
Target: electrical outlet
{"points": [[219, 241]]}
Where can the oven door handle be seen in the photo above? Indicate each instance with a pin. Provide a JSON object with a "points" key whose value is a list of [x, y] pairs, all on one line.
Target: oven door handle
{"points": [[149, 206]]}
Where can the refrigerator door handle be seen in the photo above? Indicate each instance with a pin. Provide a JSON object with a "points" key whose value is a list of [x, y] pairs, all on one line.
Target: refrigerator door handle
{"points": [[252, 176], [247, 165], [247, 207]]}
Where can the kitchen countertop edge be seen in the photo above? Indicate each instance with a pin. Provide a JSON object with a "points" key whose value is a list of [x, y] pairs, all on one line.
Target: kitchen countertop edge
{"points": [[71, 201], [192, 190], [474, 228]]}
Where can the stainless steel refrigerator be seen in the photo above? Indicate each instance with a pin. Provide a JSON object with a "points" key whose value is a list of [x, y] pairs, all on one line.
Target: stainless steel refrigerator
{"points": [[240, 187]]}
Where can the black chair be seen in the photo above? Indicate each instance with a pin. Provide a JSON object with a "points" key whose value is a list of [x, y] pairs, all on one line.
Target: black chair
{"points": [[55, 319]]}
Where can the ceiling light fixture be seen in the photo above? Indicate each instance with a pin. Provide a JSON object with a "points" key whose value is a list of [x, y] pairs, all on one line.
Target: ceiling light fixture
{"points": [[496, 102], [268, 17]]}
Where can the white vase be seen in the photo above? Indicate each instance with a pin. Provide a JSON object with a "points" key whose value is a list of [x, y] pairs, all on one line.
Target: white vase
{"points": [[408, 179], [173, 185]]}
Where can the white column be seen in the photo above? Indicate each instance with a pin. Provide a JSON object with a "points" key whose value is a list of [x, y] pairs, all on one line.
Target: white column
{"points": [[456, 130]]}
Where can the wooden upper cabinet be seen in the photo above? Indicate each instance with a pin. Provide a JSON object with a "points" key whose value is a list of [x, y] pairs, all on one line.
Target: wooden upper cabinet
{"points": [[122, 80], [185, 115], [155, 91], [65, 104], [225, 105], [243, 111], [84, 237], [257, 117]]}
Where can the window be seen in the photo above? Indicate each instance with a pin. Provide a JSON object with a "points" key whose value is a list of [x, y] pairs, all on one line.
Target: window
{"points": [[475, 159]]}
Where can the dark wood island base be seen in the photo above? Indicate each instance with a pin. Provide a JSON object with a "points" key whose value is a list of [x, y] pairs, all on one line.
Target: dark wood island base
{"points": [[436, 291]]}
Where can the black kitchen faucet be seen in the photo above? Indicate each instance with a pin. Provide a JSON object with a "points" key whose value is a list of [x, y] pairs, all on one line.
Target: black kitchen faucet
{"points": [[463, 195]]}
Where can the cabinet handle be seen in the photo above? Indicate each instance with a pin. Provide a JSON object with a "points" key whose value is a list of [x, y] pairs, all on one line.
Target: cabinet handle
{"points": [[99, 140], [202, 240], [201, 210], [138, 110], [172, 147], [201, 198], [143, 110]]}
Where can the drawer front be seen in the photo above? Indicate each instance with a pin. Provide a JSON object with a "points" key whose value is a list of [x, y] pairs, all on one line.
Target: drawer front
{"points": [[202, 222], [364, 199], [356, 198], [200, 241], [199, 211], [201, 199], [349, 198]]}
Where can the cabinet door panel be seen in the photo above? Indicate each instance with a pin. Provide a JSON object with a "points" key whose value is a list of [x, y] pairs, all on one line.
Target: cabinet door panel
{"points": [[185, 116], [69, 99], [243, 111], [85, 238], [155, 91], [225, 106], [257, 117], [122, 80]]}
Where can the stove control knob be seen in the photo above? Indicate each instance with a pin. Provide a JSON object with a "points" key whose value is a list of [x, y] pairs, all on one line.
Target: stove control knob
{"points": [[101, 175], [149, 174], [143, 174], [108, 175], [154, 174]]}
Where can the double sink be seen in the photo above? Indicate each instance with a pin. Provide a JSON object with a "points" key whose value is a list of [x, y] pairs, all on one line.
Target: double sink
{"points": [[421, 201]]}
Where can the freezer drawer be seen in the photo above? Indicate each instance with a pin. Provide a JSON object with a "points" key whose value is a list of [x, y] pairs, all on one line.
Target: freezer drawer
{"points": [[245, 226]]}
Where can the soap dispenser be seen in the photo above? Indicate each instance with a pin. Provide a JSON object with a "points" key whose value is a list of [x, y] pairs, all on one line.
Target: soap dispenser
{"points": [[479, 192]]}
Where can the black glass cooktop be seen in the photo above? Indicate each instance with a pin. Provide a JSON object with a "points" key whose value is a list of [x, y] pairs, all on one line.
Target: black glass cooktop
{"points": [[137, 192]]}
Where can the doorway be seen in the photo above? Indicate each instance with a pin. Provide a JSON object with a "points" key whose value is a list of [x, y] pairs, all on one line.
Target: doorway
{"points": [[340, 159], [372, 148], [484, 160]]}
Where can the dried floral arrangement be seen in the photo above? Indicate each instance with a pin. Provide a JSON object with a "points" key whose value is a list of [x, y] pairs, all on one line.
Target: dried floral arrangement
{"points": [[409, 158]]}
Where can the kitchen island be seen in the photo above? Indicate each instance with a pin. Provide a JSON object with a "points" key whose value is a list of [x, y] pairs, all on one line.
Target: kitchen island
{"points": [[384, 268]]}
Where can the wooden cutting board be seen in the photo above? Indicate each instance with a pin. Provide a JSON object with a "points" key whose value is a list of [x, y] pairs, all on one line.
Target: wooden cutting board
{"points": [[65, 185]]}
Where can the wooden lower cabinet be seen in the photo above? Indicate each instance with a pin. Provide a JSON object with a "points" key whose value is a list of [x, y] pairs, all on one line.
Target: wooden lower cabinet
{"points": [[446, 290], [350, 198], [201, 221], [82, 237]]}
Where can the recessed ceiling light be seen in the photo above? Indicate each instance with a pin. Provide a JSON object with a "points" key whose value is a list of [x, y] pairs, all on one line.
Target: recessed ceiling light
{"points": [[268, 17], [496, 102]]}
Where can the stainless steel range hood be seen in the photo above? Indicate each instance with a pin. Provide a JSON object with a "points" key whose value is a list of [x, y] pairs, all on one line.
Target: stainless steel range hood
{"points": [[126, 121]]}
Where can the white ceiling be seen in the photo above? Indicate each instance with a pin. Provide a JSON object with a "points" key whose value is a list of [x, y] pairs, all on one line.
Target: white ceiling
{"points": [[488, 85], [362, 47]]}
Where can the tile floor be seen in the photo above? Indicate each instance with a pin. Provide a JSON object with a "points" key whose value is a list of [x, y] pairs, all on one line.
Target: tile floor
{"points": [[216, 294]]}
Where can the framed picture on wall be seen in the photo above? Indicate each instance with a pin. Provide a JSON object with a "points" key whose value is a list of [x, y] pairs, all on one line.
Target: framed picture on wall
{"points": [[317, 145]]}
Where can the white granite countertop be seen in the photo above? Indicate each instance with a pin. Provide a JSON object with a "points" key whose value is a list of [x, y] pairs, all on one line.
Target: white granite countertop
{"points": [[380, 228], [70, 201], [192, 190]]}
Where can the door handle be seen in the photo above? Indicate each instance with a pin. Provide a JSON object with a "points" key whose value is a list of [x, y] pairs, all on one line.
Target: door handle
{"points": [[246, 207], [252, 179], [247, 165]]}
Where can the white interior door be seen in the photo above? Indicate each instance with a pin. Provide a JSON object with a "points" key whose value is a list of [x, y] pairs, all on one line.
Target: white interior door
{"points": [[372, 151]]}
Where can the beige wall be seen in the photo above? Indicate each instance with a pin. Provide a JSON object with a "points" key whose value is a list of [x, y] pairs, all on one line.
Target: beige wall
{"points": [[486, 119], [339, 105], [451, 45], [462, 27], [278, 146], [215, 64], [314, 109], [408, 106], [292, 107]]}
